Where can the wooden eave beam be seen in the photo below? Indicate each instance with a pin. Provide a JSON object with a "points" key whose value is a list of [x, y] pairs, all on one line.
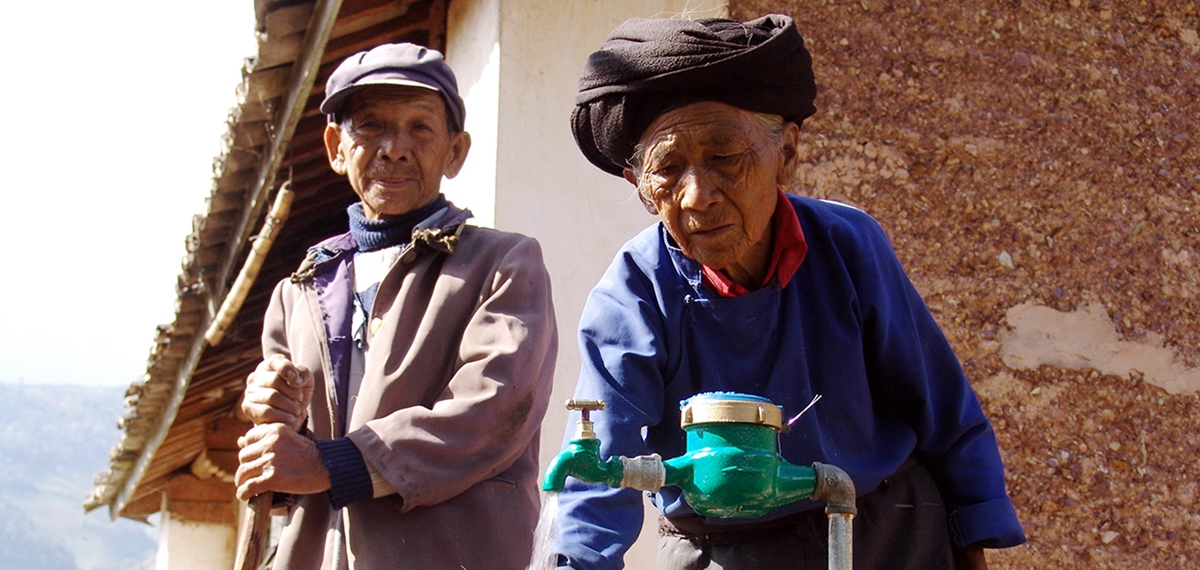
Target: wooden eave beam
{"points": [[304, 74]]}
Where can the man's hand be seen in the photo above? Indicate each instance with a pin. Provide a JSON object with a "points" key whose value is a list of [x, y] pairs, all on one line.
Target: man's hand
{"points": [[275, 458], [969, 558], [278, 391]]}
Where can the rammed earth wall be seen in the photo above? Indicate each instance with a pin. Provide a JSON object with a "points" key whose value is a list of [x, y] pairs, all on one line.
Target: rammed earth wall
{"points": [[1037, 165]]}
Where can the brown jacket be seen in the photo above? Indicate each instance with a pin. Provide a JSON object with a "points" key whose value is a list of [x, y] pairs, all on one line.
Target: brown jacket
{"points": [[449, 416]]}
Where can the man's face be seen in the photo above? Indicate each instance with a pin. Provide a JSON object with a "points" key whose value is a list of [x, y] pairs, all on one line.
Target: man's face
{"points": [[710, 171], [394, 146]]}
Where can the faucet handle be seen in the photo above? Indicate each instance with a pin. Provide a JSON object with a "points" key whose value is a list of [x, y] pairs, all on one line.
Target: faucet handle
{"points": [[584, 429], [585, 406]]}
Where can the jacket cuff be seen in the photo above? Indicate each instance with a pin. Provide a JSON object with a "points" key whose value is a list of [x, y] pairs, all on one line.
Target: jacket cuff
{"points": [[349, 480], [989, 525]]}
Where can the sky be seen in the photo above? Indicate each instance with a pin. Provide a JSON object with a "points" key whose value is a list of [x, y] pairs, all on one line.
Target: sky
{"points": [[115, 112]]}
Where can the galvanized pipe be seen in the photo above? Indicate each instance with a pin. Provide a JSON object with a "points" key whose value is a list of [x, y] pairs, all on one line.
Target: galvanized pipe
{"points": [[837, 490], [841, 541]]}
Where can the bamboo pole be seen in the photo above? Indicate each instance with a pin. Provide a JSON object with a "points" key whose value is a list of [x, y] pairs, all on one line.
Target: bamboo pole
{"points": [[254, 260], [252, 537]]}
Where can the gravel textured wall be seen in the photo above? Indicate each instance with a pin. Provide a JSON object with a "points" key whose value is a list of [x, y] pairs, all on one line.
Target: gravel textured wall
{"points": [[1039, 155]]}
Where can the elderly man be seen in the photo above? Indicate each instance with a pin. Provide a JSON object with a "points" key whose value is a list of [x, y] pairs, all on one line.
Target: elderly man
{"points": [[407, 363], [742, 288]]}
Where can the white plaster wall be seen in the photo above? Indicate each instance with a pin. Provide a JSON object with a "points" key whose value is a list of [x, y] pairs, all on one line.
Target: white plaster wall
{"points": [[538, 180], [545, 187], [195, 546], [473, 51]]}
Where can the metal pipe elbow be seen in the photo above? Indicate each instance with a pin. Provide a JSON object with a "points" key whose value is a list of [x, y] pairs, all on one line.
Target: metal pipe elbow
{"points": [[835, 488]]}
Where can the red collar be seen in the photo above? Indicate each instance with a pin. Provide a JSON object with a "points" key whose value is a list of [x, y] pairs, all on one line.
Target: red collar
{"points": [[787, 253]]}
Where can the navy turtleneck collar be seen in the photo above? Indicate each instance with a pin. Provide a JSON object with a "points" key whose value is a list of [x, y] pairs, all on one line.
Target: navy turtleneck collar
{"points": [[371, 235]]}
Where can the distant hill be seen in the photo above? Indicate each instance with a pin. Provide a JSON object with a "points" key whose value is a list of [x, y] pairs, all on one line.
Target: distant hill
{"points": [[53, 438]]}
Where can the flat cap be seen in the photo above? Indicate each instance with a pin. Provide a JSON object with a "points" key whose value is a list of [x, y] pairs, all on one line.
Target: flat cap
{"points": [[405, 64]]}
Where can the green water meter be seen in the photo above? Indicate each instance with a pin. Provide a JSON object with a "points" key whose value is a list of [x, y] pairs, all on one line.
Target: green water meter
{"points": [[732, 467]]}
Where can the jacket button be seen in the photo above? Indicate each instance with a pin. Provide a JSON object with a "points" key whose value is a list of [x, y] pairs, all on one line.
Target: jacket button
{"points": [[376, 323]]}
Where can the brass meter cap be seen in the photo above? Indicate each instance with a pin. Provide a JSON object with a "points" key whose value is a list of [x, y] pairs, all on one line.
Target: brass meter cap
{"points": [[730, 407]]}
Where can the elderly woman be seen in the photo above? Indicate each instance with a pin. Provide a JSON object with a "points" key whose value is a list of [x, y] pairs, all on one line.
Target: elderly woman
{"points": [[743, 288]]}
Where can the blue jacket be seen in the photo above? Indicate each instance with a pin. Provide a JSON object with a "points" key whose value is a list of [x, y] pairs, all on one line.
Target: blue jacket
{"points": [[848, 326]]}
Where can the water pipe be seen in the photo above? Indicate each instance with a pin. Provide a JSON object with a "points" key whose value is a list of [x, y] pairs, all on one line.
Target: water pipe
{"points": [[731, 468], [837, 490]]}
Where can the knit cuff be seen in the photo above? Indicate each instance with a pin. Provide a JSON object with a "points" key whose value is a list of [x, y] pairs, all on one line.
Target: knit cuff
{"points": [[349, 480]]}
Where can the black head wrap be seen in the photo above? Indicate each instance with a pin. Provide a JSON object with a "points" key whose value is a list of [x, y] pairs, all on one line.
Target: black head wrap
{"points": [[648, 66]]}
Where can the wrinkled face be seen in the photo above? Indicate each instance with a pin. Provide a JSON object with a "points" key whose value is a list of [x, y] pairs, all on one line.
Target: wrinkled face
{"points": [[394, 145], [710, 171]]}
